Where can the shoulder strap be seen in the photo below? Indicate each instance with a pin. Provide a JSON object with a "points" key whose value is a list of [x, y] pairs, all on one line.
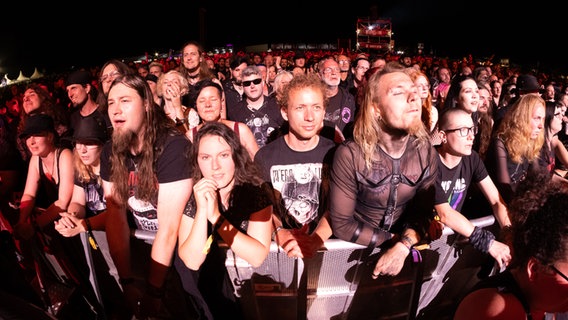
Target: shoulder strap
{"points": [[393, 195], [236, 128]]}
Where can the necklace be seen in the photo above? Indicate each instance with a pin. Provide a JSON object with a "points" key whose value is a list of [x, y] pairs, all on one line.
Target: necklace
{"points": [[46, 170]]}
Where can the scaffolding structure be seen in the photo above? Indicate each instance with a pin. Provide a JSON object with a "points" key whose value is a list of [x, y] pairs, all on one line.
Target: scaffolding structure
{"points": [[374, 35]]}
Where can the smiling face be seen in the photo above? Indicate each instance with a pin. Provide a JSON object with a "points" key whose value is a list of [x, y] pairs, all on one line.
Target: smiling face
{"points": [[468, 98], [40, 144], [208, 104], [305, 113]]}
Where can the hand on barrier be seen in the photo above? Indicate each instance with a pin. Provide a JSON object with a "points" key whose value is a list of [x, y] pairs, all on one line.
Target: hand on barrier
{"points": [[309, 244], [501, 252], [392, 261], [68, 225]]}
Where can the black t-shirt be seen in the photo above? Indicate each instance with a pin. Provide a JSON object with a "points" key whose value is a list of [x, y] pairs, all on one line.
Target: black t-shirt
{"points": [[172, 165], [262, 122], [300, 179], [471, 170], [341, 109]]}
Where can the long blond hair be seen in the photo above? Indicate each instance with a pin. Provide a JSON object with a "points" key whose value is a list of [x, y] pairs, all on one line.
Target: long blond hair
{"points": [[367, 127], [515, 131]]}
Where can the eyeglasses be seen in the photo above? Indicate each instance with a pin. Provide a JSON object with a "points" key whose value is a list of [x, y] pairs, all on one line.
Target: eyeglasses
{"points": [[248, 82], [110, 76], [343, 61], [464, 131], [330, 70], [559, 272]]}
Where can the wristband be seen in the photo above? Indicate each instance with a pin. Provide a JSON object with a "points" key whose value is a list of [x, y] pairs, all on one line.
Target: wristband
{"points": [[407, 242], [276, 231], [481, 239]]}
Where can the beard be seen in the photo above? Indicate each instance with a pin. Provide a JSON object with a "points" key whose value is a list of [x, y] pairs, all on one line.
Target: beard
{"points": [[123, 140], [415, 127]]}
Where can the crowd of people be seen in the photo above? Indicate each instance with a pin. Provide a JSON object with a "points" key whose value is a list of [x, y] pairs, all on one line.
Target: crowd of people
{"points": [[375, 149]]}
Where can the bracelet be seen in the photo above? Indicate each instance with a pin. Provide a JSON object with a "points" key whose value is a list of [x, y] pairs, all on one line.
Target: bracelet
{"points": [[125, 281], [276, 231], [407, 242]]}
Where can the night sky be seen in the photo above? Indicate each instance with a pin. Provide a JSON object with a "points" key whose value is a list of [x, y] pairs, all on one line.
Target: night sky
{"points": [[59, 41]]}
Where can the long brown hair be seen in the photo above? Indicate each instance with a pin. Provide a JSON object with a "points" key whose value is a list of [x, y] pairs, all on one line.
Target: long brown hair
{"points": [[246, 171], [157, 127]]}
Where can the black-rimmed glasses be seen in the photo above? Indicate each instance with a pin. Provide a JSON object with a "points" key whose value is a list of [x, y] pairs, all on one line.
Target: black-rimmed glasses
{"points": [[464, 131], [248, 82], [559, 272]]}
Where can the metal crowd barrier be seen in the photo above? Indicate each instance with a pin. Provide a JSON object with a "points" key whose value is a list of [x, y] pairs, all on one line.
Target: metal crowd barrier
{"points": [[336, 283]]}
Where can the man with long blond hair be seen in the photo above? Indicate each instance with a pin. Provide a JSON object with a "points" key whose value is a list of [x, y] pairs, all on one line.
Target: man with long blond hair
{"points": [[377, 178]]}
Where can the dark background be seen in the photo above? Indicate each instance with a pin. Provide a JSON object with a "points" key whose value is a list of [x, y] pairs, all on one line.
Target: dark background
{"points": [[52, 36]]}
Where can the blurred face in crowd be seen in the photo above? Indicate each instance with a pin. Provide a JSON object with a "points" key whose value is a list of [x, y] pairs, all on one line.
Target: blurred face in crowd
{"points": [[108, 74], [468, 98], [253, 86], [330, 73], [360, 69], [191, 58], [208, 104], [484, 100], [537, 120], [31, 101]]}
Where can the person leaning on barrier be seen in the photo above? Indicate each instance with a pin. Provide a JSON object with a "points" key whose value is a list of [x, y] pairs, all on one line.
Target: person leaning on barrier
{"points": [[230, 202], [146, 179], [536, 281], [458, 167], [297, 164], [378, 178]]}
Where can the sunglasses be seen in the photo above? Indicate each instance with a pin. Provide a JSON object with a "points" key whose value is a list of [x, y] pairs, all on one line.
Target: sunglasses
{"points": [[248, 82]]}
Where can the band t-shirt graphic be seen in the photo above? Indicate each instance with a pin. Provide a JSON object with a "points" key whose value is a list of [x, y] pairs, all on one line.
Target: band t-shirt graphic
{"points": [[172, 165], [299, 186]]}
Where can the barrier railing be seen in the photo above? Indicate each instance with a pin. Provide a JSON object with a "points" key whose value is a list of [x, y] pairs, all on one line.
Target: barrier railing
{"points": [[336, 283]]}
